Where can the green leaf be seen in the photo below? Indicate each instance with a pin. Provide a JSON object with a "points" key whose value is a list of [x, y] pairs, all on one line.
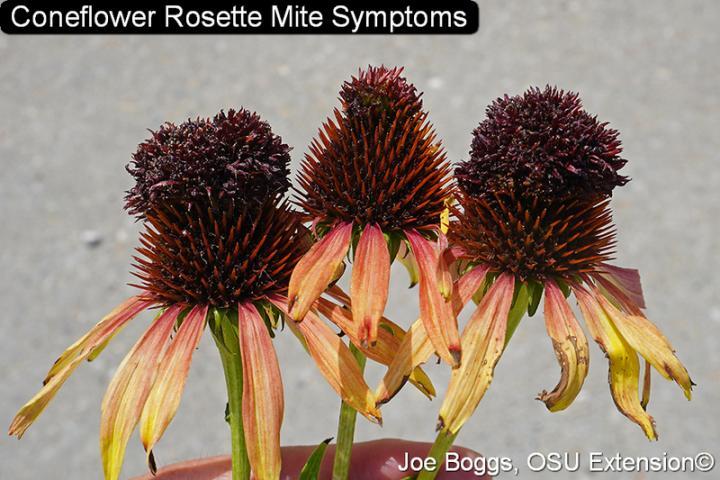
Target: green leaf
{"points": [[312, 467]]}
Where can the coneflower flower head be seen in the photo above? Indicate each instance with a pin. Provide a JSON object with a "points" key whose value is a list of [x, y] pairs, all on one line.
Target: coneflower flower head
{"points": [[216, 232], [533, 220], [376, 177], [379, 162], [218, 248]]}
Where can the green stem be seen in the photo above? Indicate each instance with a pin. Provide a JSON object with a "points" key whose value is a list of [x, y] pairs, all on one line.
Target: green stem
{"points": [[442, 444], [346, 430], [228, 346]]}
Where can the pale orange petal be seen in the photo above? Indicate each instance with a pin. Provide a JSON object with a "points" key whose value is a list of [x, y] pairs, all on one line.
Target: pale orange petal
{"points": [[71, 359], [483, 343], [125, 397], [624, 373], [646, 339], [335, 361], [415, 348], [370, 283], [571, 349], [436, 312], [317, 269], [164, 397], [390, 336], [262, 400]]}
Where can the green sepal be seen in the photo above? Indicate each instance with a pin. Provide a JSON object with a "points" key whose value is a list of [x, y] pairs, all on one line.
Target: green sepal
{"points": [[518, 309], [311, 469], [410, 265], [393, 241], [535, 291], [223, 324], [564, 287]]}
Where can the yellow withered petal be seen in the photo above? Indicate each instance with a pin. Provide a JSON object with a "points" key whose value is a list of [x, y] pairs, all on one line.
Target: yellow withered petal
{"points": [[415, 348], [262, 400], [407, 259], [647, 340], [627, 279], [164, 397], [571, 349], [444, 277], [483, 343], [125, 397], [335, 361], [390, 336], [435, 311], [71, 359], [317, 269], [370, 282], [624, 373]]}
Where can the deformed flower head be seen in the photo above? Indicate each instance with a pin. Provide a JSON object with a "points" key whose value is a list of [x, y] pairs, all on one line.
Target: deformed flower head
{"points": [[218, 247], [234, 155], [544, 144], [377, 178], [534, 219]]}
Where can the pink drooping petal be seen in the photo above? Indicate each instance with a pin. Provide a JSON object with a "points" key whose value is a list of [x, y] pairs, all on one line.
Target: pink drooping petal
{"points": [[317, 269], [416, 348], [627, 279], [571, 349], [125, 397], [164, 397], [624, 373], [435, 311], [335, 361], [262, 400], [483, 343], [67, 363], [370, 283]]}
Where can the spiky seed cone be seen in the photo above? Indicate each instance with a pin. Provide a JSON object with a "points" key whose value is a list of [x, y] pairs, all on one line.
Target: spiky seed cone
{"points": [[378, 161], [532, 238], [233, 155], [220, 254], [542, 143]]}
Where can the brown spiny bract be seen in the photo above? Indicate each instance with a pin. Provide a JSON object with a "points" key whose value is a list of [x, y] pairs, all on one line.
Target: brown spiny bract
{"points": [[218, 253], [534, 238], [234, 155], [379, 160], [542, 143]]}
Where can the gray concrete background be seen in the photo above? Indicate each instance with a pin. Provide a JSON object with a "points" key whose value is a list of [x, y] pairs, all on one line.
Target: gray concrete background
{"points": [[74, 108]]}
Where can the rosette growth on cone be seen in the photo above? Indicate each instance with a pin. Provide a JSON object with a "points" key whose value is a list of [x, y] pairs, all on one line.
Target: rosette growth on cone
{"points": [[376, 183], [218, 248], [535, 218]]}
